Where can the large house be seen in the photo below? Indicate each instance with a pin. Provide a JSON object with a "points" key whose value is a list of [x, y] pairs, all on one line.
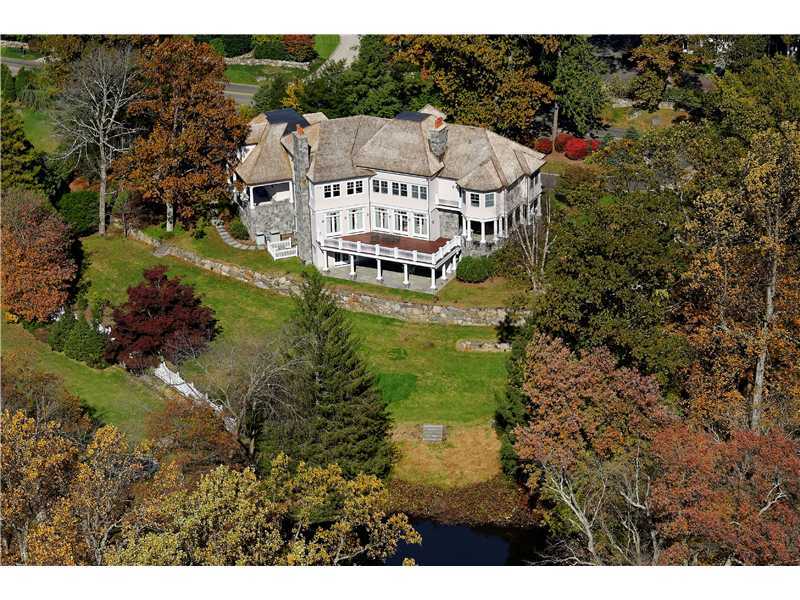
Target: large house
{"points": [[412, 193]]}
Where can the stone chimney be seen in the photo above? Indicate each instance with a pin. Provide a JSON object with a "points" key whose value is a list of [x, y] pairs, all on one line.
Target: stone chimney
{"points": [[437, 138], [301, 161]]}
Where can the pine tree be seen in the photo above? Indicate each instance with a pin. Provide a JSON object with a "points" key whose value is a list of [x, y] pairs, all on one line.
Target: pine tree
{"points": [[344, 418], [21, 164]]}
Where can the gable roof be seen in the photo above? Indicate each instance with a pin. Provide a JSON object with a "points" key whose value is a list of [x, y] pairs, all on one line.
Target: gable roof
{"points": [[400, 146]]}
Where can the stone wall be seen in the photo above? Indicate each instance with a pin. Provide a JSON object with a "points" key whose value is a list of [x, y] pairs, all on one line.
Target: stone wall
{"points": [[269, 217], [13, 44], [247, 59], [415, 312], [448, 224]]}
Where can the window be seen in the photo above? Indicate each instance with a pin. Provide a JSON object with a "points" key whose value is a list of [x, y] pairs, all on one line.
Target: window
{"points": [[401, 221], [403, 189], [423, 192], [474, 199], [489, 200], [359, 187], [376, 185], [420, 224], [384, 187], [332, 223], [381, 218], [337, 189], [355, 219], [327, 191], [351, 188], [415, 191], [395, 188]]}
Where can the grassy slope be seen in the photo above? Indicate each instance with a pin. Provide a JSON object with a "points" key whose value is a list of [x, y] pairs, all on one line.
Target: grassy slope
{"points": [[419, 370], [39, 130], [115, 396], [325, 44], [18, 53]]}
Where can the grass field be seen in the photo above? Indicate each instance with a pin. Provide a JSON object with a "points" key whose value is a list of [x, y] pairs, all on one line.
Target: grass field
{"points": [[39, 129], [115, 396], [640, 120], [421, 374], [325, 44], [19, 54]]}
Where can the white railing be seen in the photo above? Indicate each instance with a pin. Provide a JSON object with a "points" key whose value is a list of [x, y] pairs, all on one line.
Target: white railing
{"points": [[281, 249], [389, 252], [450, 203]]}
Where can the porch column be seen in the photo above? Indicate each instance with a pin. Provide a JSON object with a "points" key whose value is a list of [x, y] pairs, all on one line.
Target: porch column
{"points": [[453, 266], [468, 229], [433, 278], [405, 274], [444, 272], [250, 194], [352, 265], [380, 276], [483, 232], [325, 261]]}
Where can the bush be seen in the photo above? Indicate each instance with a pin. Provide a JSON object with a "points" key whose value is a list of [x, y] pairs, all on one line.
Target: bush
{"points": [[86, 344], [632, 133], [237, 229], [80, 211], [58, 331], [576, 149], [25, 87], [544, 145], [300, 47], [218, 45], [473, 269], [561, 141], [270, 46], [9, 92]]}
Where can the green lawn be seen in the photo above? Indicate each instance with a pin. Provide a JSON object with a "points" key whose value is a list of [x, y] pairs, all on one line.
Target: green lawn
{"points": [[493, 293], [640, 120], [325, 44], [116, 396], [256, 74], [19, 54], [419, 370], [39, 129]]}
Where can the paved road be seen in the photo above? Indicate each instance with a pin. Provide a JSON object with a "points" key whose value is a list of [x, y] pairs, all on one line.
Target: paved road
{"points": [[240, 92], [347, 50]]}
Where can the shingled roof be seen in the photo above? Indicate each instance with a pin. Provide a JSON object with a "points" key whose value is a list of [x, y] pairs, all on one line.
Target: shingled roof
{"points": [[267, 162], [357, 146]]}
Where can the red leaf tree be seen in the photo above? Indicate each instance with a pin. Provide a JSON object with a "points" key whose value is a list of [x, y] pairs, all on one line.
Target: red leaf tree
{"points": [[162, 319]]}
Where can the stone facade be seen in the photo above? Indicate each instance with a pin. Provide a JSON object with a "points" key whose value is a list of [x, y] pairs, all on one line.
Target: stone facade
{"points": [[415, 312], [300, 163], [247, 59], [448, 223], [269, 217]]}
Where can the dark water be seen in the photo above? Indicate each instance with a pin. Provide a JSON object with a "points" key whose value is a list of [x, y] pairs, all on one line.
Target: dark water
{"points": [[459, 545]]}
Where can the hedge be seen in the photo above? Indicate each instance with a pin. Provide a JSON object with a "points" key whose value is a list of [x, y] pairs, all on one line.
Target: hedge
{"points": [[474, 269], [80, 211], [561, 141], [228, 45], [544, 145], [58, 331], [86, 344], [576, 149]]}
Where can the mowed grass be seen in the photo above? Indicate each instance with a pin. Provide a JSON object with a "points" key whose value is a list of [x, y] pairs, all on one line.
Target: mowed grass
{"points": [[115, 396], [19, 53], [39, 130], [419, 370], [325, 44]]}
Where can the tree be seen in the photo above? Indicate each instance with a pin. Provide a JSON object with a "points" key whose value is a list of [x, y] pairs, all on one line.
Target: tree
{"points": [[9, 93], [91, 113], [271, 93], [741, 298], [345, 419], [584, 448], [485, 80], [162, 319], [21, 164], [578, 85], [660, 59], [734, 501], [80, 211], [193, 130], [311, 516], [38, 268]]}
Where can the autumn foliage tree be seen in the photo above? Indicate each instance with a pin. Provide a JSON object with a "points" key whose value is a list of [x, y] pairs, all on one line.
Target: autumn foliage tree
{"points": [[192, 129], [38, 268], [162, 319]]}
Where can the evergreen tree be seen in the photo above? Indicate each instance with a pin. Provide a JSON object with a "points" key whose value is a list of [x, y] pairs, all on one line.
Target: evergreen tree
{"points": [[271, 93], [9, 93], [21, 164], [344, 419], [579, 86]]}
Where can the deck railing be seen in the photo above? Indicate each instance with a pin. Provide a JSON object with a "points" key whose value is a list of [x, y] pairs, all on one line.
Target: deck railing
{"points": [[390, 252], [281, 249]]}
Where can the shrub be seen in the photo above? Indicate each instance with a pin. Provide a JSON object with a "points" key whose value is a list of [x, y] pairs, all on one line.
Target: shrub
{"points": [[218, 45], [270, 46], [561, 141], [228, 45], [576, 149], [25, 87], [80, 211], [9, 92], [300, 47], [237, 229], [544, 145], [632, 133], [58, 331], [86, 344], [473, 269]]}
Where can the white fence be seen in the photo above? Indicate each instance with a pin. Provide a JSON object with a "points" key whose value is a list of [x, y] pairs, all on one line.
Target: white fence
{"points": [[379, 251], [281, 249]]}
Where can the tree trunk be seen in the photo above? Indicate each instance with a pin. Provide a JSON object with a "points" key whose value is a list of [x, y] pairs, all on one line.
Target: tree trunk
{"points": [[554, 132], [761, 365], [102, 196], [170, 216]]}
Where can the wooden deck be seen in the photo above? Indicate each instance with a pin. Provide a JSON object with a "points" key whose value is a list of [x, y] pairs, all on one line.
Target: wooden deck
{"points": [[397, 241]]}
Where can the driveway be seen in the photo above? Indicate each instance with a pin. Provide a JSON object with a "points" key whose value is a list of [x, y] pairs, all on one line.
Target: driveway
{"points": [[347, 50]]}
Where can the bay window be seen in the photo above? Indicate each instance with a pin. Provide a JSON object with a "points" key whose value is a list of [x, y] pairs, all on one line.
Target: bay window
{"points": [[489, 200]]}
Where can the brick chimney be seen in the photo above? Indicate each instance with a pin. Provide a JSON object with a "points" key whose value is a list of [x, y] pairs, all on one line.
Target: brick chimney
{"points": [[437, 138]]}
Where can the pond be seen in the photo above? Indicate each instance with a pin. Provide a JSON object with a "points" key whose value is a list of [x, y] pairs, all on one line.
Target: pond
{"points": [[460, 545]]}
